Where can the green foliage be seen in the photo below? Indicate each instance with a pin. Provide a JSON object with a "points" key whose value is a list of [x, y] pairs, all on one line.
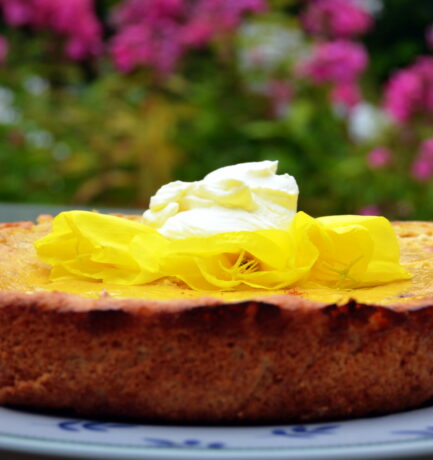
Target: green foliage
{"points": [[86, 134]]}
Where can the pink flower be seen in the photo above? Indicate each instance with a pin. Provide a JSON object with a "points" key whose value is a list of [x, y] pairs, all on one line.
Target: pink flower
{"points": [[336, 18], [149, 32], [346, 94], [197, 33], [370, 210], [3, 49], [17, 12], [220, 16], [379, 157], [424, 68], [133, 11], [410, 91], [137, 46], [157, 33], [75, 20], [422, 167], [403, 95], [338, 61]]}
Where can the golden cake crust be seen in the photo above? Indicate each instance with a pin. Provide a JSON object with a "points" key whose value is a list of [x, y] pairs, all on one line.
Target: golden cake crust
{"points": [[279, 358]]}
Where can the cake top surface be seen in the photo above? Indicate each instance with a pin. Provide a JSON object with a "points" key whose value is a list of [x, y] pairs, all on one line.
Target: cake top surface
{"points": [[23, 272]]}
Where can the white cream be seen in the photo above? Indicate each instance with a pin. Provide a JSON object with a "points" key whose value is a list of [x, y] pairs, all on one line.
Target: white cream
{"points": [[246, 196]]}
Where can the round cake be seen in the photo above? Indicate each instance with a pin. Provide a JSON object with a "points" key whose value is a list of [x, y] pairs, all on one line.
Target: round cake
{"points": [[161, 352]]}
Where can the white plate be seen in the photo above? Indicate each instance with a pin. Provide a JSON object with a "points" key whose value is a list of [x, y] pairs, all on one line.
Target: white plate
{"points": [[408, 434]]}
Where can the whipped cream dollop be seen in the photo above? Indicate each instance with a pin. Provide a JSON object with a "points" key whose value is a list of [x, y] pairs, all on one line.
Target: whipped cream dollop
{"points": [[242, 197]]}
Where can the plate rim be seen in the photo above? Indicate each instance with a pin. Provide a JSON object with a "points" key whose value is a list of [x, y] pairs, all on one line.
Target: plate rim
{"points": [[99, 450]]}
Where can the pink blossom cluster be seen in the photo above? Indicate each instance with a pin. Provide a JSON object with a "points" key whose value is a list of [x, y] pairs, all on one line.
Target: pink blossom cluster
{"points": [[157, 33], [73, 19], [340, 63], [336, 18], [409, 92], [422, 167], [3, 49]]}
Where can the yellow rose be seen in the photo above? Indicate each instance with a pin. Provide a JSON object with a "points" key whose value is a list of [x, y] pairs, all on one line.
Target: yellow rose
{"points": [[337, 251]]}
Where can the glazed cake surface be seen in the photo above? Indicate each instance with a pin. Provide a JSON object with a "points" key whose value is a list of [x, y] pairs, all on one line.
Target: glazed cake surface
{"points": [[163, 352]]}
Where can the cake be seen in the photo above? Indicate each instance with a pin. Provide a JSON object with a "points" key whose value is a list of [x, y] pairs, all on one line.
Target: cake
{"points": [[162, 352]]}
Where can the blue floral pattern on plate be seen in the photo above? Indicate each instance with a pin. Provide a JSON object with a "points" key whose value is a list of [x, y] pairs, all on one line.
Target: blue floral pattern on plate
{"points": [[188, 443], [303, 431], [102, 427], [425, 433], [389, 436]]}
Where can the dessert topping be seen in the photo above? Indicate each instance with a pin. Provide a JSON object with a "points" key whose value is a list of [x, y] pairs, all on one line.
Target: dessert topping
{"points": [[242, 197]]}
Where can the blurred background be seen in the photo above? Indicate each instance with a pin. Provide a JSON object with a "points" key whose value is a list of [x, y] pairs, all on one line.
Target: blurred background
{"points": [[103, 101]]}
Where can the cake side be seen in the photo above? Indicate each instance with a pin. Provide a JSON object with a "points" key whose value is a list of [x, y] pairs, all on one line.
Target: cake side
{"points": [[242, 362]]}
